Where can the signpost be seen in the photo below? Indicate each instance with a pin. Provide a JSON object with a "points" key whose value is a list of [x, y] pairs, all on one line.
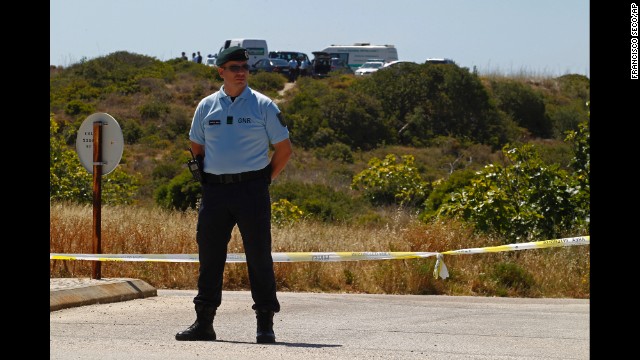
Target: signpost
{"points": [[99, 145]]}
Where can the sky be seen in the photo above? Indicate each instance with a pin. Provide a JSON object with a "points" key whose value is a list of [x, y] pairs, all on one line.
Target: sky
{"points": [[542, 37]]}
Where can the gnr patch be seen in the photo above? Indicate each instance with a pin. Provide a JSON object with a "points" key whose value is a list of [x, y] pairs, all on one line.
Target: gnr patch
{"points": [[281, 119]]}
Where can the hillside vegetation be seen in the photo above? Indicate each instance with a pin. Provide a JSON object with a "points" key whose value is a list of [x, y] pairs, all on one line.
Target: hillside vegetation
{"points": [[506, 156]]}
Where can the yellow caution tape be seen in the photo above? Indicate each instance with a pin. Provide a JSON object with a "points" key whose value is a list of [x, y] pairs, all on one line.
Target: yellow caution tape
{"points": [[580, 240], [439, 270]]}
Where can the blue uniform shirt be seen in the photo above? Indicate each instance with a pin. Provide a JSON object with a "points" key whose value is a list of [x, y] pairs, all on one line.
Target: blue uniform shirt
{"points": [[237, 134]]}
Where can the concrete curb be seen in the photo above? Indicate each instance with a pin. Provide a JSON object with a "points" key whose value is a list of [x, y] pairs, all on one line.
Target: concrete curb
{"points": [[99, 292]]}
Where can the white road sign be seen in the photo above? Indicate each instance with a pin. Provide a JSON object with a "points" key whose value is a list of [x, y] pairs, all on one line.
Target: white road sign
{"points": [[112, 142]]}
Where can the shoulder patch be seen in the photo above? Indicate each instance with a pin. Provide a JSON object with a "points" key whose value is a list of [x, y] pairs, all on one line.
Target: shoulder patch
{"points": [[281, 119]]}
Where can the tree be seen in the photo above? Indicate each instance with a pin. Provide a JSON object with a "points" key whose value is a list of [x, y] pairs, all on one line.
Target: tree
{"points": [[422, 102], [356, 119]]}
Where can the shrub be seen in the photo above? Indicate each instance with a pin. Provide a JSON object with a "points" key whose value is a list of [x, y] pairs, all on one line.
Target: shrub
{"points": [[435, 100], [336, 151], [283, 212], [581, 164], [79, 108], [153, 110], [389, 182], [524, 105], [511, 277], [181, 193], [442, 188], [525, 200], [131, 131], [318, 201], [165, 171], [267, 82]]}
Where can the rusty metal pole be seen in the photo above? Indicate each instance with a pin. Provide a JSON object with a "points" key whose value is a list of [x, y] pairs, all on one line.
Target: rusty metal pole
{"points": [[97, 203]]}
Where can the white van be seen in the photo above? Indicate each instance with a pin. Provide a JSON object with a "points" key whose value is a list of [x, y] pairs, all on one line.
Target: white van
{"points": [[257, 48], [359, 53]]}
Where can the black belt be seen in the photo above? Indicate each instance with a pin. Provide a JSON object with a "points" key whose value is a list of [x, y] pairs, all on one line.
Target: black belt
{"points": [[239, 177]]}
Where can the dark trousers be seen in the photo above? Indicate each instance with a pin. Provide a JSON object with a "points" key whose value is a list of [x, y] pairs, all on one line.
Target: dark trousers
{"points": [[248, 205], [293, 74]]}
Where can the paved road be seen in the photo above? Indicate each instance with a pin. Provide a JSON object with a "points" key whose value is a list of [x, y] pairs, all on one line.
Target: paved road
{"points": [[329, 326]]}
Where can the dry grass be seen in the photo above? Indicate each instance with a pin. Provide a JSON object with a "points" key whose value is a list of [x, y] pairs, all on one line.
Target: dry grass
{"points": [[554, 272]]}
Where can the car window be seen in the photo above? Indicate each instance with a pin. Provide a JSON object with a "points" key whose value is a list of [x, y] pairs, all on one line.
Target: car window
{"points": [[372, 65], [288, 55]]}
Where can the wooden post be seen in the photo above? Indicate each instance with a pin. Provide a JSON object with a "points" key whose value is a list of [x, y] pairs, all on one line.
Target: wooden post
{"points": [[97, 203]]}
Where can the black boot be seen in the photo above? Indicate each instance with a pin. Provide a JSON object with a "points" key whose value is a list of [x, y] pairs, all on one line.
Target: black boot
{"points": [[202, 328], [265, 334]]}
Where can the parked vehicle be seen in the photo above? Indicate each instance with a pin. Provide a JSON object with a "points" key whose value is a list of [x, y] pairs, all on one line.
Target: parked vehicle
{"points": [[323, 64], [357, 54], [280, 66], [288, 55], [210, 61], [369, 67], [300, 57], [439, 61], [397, 62], [340, 66], [257, 48]]}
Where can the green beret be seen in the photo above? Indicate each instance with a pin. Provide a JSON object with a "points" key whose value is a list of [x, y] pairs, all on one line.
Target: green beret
{"points": [[234, 53]]}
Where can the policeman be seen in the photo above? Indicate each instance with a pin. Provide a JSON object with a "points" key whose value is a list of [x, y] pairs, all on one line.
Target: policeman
{"points": [[230, 134]]}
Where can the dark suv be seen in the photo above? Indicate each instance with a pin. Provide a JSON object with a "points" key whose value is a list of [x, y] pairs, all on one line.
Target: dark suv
{"points": [[323, 63]]}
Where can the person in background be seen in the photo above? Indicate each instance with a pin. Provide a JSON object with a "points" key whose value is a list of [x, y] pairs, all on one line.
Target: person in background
{"points": [[293, 69], [304, 66], [231, 134], [193, 57], [199, 58], [184, 56]]}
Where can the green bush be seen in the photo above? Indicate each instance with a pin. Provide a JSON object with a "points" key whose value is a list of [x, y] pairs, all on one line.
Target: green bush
{"points": [[166, 171], [355, 119], [323, 137], [181, 193], [581, 165], [285, 213], [524, 105], [527, 200], [153, 110], [336, 151], [443, 188], [79, 108], [425, 101], [511, 277], [131, 131], [267, 82], [318, 201], [324, 112], [388, 182]]}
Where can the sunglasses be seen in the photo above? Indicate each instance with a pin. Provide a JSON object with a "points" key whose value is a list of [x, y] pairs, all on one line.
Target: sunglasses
{"points": [[236, 68]]}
